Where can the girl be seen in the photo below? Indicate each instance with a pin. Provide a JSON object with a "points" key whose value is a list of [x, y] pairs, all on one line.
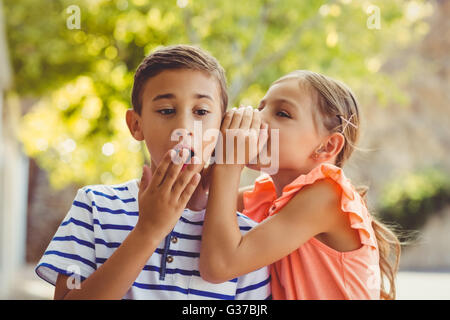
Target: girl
{"points": [[316, 232]]}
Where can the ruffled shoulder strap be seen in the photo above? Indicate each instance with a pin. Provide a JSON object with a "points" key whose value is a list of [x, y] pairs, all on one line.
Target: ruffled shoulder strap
{"points": [[258, 201], [351, 201]]}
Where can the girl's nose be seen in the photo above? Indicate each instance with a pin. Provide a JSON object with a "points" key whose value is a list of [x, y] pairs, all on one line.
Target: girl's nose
{"points": [[264, 117]]}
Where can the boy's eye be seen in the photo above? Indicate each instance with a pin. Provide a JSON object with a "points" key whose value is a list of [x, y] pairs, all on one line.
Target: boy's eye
{"points": [[283, 114], [166, 111]]}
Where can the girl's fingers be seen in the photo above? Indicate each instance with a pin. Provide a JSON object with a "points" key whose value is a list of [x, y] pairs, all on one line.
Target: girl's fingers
{"points": [[227, 119], [247, 117], [189, 189], [263, 136], [161, 170], [185, 177], [174, 169], [256, 120], [237, 117]]}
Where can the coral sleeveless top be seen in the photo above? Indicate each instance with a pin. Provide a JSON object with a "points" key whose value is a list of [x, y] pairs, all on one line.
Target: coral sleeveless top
{"points": [[316, 271]]}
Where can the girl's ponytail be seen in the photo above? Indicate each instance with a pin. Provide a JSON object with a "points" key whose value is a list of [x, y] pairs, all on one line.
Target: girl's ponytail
{"points": [[389, 248]]}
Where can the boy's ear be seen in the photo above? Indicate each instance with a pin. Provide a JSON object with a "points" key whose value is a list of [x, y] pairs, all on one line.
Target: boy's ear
{"points": [[134, 123], [331, 147]]}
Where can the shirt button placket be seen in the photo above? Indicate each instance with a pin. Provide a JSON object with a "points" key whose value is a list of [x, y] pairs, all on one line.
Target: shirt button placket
{"points": [[165, 256]]}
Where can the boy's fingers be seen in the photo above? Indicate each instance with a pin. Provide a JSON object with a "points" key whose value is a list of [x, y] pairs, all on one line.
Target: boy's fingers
{"points": [[161, 170], [189, 189], [174, 169], [146, 178], [185, 177]]}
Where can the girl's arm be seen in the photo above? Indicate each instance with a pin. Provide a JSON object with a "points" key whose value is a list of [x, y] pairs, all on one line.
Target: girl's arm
{"points": [[226, 254], [240, 199]]}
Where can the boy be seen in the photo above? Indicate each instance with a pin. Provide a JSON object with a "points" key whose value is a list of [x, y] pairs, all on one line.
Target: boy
{"points": [[141, 240]]}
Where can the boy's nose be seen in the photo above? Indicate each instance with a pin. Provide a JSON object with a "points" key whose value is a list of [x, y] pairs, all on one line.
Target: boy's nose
{"points": [[183, 132]]}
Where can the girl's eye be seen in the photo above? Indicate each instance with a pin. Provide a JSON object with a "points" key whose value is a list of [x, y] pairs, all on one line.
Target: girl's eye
{"points": [[283, 114], [166, 111], [202, 112]]}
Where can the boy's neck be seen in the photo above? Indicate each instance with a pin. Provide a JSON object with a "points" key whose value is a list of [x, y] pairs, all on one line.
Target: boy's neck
{"points": [[199, 198]]}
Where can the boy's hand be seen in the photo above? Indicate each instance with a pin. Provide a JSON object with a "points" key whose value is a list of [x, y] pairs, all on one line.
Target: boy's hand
{"points": [[163, 196], [245, 129]]}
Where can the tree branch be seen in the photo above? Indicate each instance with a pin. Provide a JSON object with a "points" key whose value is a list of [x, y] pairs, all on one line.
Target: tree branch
{"points": [[252, 49], [242, 82]]}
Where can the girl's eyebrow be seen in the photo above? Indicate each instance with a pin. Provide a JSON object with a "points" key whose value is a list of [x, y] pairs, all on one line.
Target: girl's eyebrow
{"points": [[281, 101], [201, 96], [285, 101]]}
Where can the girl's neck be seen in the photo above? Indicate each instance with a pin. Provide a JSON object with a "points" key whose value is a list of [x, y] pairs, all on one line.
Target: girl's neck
{"points": [[285, 176]]}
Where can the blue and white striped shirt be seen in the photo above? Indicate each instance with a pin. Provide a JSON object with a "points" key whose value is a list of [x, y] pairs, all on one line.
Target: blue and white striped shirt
{"points": [[100, 219]]}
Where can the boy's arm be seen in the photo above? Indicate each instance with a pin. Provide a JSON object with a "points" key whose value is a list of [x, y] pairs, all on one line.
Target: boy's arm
{"points": [[115, 277], [161, 203], [226, 254]]}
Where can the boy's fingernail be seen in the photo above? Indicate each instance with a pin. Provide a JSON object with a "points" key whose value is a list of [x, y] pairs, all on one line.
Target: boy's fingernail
{"points": [[195, 160]]}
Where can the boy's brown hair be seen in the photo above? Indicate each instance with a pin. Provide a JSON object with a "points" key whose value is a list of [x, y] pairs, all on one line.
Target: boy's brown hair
{"points": [[177, 57]]}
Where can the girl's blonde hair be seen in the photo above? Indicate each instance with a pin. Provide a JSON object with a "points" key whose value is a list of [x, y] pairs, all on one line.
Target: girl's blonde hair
{"points": [[338, 111]]}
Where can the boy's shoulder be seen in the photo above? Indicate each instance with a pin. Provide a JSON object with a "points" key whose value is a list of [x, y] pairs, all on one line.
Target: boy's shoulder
{"points": [[245, 223], [113, 192]]}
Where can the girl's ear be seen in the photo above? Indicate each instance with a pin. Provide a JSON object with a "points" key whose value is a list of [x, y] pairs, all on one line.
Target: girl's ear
{"points": [[330, 148], [134, 122]]}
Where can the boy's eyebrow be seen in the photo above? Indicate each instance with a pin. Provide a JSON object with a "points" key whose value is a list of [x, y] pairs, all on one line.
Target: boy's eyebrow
{"points": [[164, 96], [172, 96]]}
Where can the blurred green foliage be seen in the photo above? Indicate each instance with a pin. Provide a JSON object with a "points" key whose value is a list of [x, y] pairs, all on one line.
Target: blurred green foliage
{"points": [[410, 199], [81, 79]]}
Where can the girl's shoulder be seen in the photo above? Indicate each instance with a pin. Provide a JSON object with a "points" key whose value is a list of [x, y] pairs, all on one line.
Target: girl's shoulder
{"points": [[352, 207], [331, 176], [328, 189]]}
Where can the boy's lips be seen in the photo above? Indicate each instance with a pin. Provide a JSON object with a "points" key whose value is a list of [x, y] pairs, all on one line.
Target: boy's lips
{"points": [[178, 148]]}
